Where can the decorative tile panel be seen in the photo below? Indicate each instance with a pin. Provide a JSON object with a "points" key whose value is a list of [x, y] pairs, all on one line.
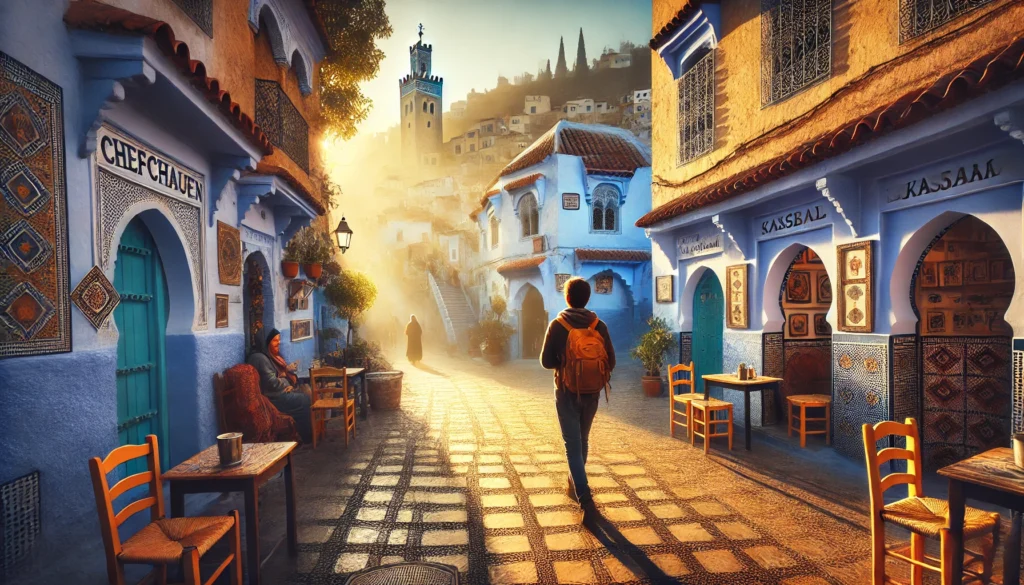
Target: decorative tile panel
{"points": [[906, 379], [918, 17], [34, 307], [745, 347], [116, 196], [685, 347], [200, 11], [282, 122], [95, 297], [771, 365], [860, 393], [1018, 385], [796, 46]]}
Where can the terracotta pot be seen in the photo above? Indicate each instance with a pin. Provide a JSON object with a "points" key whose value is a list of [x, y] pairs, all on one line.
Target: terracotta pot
{"points": [[289, 269], [651, 385], [313, 270], [495, 359]]}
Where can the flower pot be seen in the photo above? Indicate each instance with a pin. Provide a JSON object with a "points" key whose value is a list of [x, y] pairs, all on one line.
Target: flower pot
{"points": [[495, 359], [289, 269], [651, 385], [384, 389], [313, 270]]}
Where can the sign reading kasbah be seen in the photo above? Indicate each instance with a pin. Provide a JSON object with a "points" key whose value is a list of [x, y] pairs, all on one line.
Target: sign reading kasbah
{"points": [[792, 219], [142, 165]]}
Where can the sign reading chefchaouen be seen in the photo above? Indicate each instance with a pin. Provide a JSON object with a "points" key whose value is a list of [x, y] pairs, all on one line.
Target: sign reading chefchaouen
{"points": [[141, 164]]}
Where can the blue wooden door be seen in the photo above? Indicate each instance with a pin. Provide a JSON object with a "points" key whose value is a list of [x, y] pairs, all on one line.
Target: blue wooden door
{"points": [[141, 321], [708, 321]]}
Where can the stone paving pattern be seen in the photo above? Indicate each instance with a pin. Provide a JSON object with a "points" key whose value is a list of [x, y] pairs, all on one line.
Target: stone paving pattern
{"points": [[471, 472]]}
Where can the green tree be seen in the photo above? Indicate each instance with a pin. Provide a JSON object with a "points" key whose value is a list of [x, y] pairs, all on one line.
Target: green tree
{"points": [[581, 67], [353, 29], [561, 70], [351, 294]]}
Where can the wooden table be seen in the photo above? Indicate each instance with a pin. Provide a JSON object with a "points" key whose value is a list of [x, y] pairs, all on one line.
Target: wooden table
{"points": [[202, 473], [733, 382], [989, 477]]}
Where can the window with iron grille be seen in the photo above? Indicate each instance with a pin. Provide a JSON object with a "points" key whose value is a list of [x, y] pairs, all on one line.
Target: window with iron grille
{"points": [[200, 11], [796, 46], [604, 209], [918, 17], [282, 122], [697, 109], [529, 218], [494, 232]]}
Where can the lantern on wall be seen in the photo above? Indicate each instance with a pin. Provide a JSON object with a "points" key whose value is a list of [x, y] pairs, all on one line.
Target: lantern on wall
{"points": [[344, 235]]}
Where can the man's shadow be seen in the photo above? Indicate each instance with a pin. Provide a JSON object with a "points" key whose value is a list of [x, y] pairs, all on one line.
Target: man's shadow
{"points": [[627, 553], [424, 367]]}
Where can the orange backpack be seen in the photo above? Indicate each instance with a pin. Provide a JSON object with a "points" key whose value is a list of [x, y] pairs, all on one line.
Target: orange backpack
{"points": [[586, 369]]}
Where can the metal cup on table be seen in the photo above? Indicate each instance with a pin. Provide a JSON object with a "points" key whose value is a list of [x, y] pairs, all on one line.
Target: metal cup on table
{"points": [[229, 447]]}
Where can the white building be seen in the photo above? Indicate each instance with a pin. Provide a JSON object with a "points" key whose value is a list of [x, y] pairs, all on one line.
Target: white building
{"points": [[537, 104], [519, 124], [575, 108], [642, 95], [458, 109]]}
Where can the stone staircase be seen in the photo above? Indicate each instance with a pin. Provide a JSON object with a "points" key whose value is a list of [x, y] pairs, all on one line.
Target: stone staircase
{"points": [[455, 310]]}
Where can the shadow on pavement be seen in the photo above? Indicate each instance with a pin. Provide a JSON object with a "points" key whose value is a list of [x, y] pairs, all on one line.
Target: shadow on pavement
{"points": [[627, 553], [425, 368]]}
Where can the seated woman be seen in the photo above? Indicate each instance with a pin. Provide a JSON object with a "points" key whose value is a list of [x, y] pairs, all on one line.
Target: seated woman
{"points": [[280, 385]]}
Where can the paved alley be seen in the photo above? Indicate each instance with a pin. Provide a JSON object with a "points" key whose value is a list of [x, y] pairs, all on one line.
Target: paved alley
{"points": [[471, 473]]}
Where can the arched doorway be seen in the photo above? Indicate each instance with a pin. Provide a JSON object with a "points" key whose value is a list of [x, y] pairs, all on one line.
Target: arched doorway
{"points": [[708, 327], [533, 323], [141, 320], [257, 298], [805, 299], [961, 289]]}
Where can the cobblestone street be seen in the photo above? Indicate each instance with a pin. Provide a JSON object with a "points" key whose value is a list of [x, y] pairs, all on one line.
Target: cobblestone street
{"points": [[471, 473]]}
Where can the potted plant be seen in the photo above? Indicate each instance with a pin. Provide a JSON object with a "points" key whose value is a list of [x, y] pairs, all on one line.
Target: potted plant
{"points": [[494, 332], [383, 383], [650, 351], [290, 262], [311, 248], [475, 339], [351, 294]]}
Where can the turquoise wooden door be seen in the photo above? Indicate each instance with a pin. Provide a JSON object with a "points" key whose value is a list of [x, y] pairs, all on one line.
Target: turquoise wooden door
{"points": [[141, 321], [708, 321]]}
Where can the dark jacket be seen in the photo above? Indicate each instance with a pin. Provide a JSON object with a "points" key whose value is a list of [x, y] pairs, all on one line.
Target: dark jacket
{"points": [[270, 384], [553, 353]]}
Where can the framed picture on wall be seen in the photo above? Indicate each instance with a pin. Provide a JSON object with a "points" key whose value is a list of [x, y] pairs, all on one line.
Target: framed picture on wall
{"points": [[824, 289], [603, 284], [560, 280], [222, 311], [976, 271], [856, 306], [798, 287], [738, 316], [301, 329], [928, 276], [665, 288], [951, 274], [821, 326], [798, 325], [935, 322]]}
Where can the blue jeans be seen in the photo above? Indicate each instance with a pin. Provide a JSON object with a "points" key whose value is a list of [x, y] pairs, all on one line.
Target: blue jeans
{"points": [[575, 416]]}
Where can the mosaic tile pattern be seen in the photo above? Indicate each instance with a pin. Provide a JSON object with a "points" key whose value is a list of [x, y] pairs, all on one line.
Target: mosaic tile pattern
{"points": [[34, 300], [860, 393], [1018, 385], [95, 297], [685, 347], [967, 397], [470, 476], [771, 361], [906, 380]]}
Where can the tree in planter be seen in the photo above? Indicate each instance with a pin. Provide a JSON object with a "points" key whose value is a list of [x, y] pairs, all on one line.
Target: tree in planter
{"points": [[351, 294], [650, 351], [492, 331]]}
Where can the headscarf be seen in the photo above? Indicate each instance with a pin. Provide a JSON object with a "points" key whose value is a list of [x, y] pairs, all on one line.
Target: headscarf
{"points": [[413, 328], [277, 359]]}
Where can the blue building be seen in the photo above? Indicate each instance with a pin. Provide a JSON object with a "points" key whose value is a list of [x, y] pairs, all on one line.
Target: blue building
{"points": [[152, 168], [566, 206]]}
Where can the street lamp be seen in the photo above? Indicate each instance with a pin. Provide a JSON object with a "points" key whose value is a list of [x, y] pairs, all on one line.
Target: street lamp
{"points": [[344, 235]]}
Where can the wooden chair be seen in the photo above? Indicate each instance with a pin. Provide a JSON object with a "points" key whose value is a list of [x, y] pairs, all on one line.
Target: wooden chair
{"points": [[164, 541], [703, 418], [803, 402], [681, 400], [325, 399], [922, 516]]}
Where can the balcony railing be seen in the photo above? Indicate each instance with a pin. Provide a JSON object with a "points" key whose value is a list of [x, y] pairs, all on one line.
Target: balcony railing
{"points": [[282, 122]]}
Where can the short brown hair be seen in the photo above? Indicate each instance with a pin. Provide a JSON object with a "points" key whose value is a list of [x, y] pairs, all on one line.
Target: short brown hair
{"points": [[577, 292]]}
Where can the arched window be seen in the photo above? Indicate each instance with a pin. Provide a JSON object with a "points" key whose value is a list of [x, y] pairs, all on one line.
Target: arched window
{"points": [[431, 108], [605, 209], [494, 232], [428, 123], [529, 218], [424, 106]]}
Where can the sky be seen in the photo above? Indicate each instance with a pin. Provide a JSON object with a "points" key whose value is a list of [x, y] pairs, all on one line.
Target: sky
{"points": [[475, 41]]}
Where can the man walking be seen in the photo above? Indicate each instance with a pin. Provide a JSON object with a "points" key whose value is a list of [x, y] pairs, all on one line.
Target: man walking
{"points": [[578, 348]]}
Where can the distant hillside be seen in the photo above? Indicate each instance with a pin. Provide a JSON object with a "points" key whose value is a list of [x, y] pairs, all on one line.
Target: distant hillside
{"points": [[604, 85]]}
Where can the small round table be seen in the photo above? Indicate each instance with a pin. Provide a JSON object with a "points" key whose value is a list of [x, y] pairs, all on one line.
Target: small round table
{"points": [[805, 401]]}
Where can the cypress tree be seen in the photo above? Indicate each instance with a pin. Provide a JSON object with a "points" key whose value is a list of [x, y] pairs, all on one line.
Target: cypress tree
{"points": [[561, 70], [581, 57]]}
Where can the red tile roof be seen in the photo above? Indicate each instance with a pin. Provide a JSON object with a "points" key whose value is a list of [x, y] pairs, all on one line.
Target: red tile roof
{"points": [[522, 264], [604, 149], [596, 255], [681, 18], [92, 15], [294, 183], [523, 182], [984, 74]]}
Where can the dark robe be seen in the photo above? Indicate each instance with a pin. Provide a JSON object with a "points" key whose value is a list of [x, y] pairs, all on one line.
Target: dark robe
{"points": [[414, 345], [274, 385]]}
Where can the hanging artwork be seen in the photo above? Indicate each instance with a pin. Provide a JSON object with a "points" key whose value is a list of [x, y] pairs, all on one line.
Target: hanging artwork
{"points": [[738, 316], [229, 254], [821, 326], [951, 274], [798, 287], [222, 311], [603, 284], [301, 329], [798, 325], [95, 297], [560, 280], [665, 288], [977, 272], [928, 275], [824, 289], [34, 281], [856, 308], [298, 294]]}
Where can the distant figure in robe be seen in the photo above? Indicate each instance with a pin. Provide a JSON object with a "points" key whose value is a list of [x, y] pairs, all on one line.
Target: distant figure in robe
{"points": [[414, 343]]}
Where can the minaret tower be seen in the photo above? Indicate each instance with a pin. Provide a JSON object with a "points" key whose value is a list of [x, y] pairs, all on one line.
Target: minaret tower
{"points": [[421, 110]]}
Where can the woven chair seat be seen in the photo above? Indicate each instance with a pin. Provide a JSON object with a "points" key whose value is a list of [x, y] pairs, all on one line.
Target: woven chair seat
{"points": [[928, 515], [331, 403], [710, 404], [687, 397], [162, 542]]}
